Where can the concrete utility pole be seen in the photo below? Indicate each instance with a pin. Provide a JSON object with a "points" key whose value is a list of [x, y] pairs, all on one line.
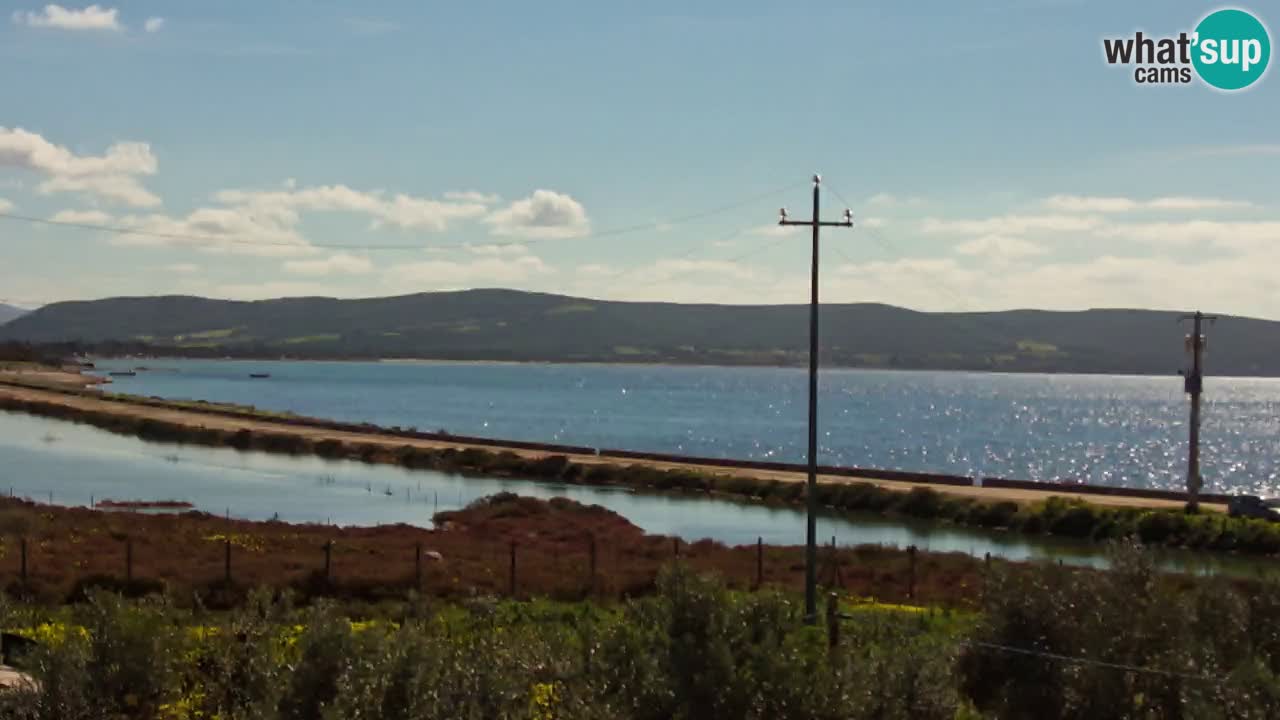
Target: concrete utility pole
{"points": [[1193, 384], [811, 492]]}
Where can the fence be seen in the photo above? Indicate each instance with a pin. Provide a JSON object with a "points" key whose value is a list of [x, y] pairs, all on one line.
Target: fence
{"points": [[359, 565]]}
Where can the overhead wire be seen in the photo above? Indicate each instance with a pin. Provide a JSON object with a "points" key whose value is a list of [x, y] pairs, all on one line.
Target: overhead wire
{"points": [[688, 254], [981, 320], [1075, 660]]}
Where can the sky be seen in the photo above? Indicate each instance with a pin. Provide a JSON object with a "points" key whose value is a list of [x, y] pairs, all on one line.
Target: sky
{"points": [[252, 149]]}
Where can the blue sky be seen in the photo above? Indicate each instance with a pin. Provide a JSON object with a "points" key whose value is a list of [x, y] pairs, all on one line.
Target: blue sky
{"points": [[992, 158]]}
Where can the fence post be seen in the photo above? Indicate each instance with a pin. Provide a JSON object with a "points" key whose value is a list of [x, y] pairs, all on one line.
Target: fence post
{"points": [[24, 560], [128, 560], [836, 580], [591, 579], [759, 563], [986, 574], [512, 578], [911, 577], [833, 621], [226, 570], [328, 559], [417, 565]]}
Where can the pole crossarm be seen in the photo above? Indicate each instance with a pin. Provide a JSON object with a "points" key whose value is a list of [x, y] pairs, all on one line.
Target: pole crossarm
{"points": [[822, 223], [811, 492]]}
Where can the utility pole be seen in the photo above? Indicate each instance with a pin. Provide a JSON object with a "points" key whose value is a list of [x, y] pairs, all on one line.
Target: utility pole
{"points": [[1193, 384], [811, 490]]}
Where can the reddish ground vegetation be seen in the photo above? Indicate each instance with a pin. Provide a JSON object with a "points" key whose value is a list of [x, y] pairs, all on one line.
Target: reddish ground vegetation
{"points": [[109, 504], [71, 549]]}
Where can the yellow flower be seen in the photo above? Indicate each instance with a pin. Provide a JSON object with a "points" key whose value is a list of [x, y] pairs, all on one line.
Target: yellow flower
{"points": [[543, 700]]}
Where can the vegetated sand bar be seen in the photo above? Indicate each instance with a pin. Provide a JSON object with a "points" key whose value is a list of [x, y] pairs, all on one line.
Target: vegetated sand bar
{"points": [[197, 419]]}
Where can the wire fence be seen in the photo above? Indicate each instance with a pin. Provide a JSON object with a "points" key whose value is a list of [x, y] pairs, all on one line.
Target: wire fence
{"points": [[389, 561]]}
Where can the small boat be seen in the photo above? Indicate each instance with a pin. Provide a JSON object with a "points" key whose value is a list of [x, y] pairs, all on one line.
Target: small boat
{"points": [[122, 373], [259, 375]]}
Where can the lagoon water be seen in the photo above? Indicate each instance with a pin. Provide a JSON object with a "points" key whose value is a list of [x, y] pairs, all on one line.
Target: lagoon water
{"points": [[1112, 430], [69, 464]]}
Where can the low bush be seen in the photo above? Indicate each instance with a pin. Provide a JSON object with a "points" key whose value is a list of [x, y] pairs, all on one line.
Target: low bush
{"points": [[1049, 642]]}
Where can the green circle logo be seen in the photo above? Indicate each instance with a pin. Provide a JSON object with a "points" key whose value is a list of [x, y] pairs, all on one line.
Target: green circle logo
{"points": [[1232, 49]]}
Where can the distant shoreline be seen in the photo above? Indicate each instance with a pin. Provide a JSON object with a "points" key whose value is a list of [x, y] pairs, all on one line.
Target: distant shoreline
{"points": [[1175, 378]]}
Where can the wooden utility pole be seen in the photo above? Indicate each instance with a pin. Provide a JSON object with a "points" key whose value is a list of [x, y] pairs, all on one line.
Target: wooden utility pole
{"points": [[811, 492], [1193, 384]]}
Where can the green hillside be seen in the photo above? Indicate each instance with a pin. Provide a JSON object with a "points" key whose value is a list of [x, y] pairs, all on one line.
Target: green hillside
{"points": [[513, 325]]}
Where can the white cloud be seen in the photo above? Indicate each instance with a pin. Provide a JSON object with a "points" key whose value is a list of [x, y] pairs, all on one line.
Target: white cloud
{"points": [[498, 250], [407, 212], [1094, 204], [1011, 224], [1000, 248], [268, 290], [871, 222], [121, 189], [81, 217], [664, 270], [1196, 203], [339, 264], [473, 196], [401, 211], [112, 176], [153, 25], [670, 279], [5, 205], [182, 268], [93, 17], [1235, 235], [544, 214], [24, 149], [889, 200], [1256, 150], [775, 230], [1079, 203], [596, 270], [452, 275], [217, 230]]}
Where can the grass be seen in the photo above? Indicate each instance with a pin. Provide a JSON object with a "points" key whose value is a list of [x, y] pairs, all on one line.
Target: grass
{"points": [[208, 334], [321, 337]]}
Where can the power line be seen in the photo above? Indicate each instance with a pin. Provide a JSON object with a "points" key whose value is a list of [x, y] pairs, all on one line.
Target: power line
{"points": [[982, 322], [893, 252], [233, 240], [700, 247], [1074, 660]]}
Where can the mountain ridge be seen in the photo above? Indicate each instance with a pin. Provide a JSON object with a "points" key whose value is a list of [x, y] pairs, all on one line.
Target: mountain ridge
{"points": [[513, 325], [10, 312]]}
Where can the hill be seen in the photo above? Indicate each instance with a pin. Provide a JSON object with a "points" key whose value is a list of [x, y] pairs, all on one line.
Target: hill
{"points": [[514, 325], [9, 312]]}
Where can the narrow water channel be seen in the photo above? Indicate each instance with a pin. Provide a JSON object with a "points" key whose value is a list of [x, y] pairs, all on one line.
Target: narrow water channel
{"points": [[69, 464]]}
